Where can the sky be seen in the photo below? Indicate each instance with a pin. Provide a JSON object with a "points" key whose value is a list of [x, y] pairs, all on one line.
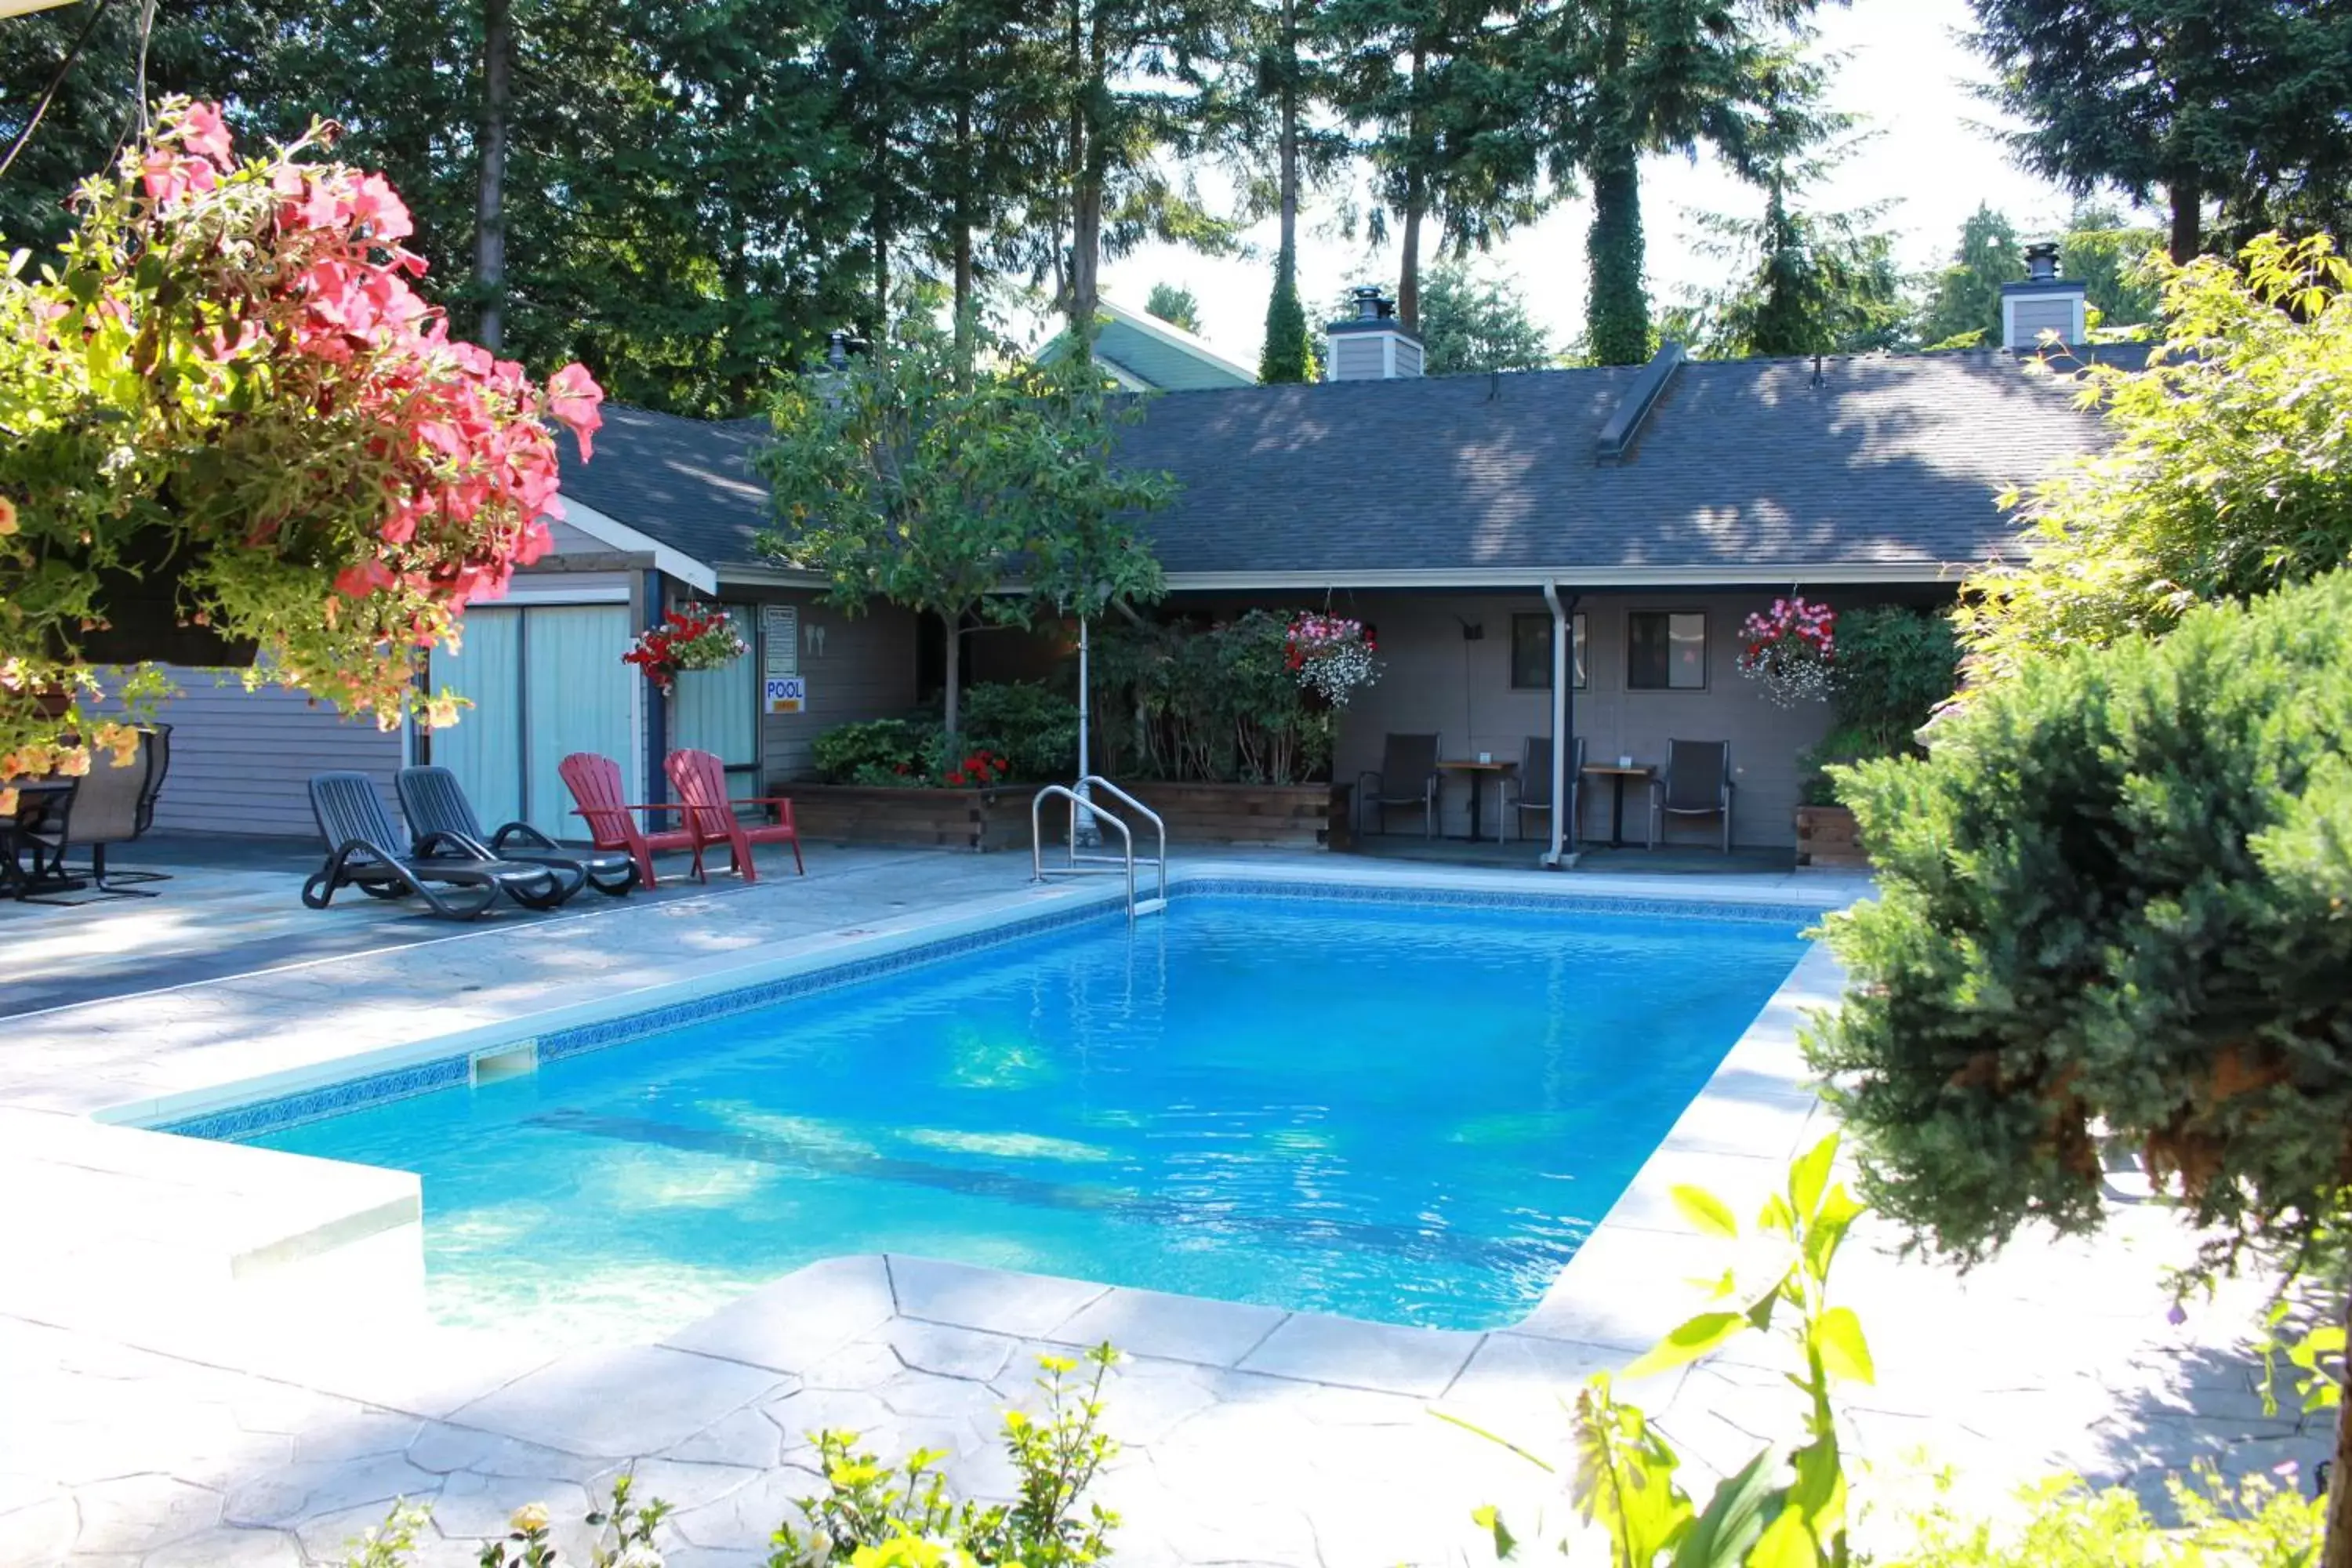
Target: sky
{"points": [[1933, 155]]}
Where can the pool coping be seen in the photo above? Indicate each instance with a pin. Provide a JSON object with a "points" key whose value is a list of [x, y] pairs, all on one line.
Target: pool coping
{"points": [[1603, 1303]]}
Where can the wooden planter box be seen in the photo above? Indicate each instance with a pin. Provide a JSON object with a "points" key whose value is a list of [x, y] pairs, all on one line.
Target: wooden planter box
{"points": [[976, 819], [1826, 835], [1287, 817]]}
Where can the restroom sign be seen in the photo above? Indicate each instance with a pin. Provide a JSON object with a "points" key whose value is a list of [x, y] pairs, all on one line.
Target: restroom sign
{"points": [[786, 694]]}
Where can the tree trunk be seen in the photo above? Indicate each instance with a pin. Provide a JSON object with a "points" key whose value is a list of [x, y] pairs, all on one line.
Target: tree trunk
{"points": [[2335, 1551], [1289, 175], [1616, 310], [489, 194], [1409, 267], [1087, 185], [951, 720], [961, 240], [2188, 220]]}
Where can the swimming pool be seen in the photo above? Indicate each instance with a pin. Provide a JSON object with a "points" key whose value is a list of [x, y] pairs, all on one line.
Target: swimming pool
{"points": [[1400, 1112]]}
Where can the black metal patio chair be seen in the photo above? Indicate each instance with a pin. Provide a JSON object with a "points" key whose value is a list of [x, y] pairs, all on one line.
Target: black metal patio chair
{"points": [[434, 804], [1408, 776], [1531, 789], [360, 836], [1696, 782]]}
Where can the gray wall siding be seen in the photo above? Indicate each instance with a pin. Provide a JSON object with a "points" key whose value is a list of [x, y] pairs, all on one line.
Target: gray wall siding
{"points": [[867, 670], [242, 761], [1434, 680]]}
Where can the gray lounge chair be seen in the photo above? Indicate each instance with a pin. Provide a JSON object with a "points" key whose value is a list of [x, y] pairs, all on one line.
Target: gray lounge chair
{"points": [[1408, 776], [360, 836], [1696, 782], [1532, 787], [434, 802]]}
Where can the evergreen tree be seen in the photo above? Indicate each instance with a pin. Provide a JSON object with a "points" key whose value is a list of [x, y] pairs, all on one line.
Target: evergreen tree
{"points": [[1437, 90], [1652, 76], [1289, 353], [2234, 102], [1964, 303], [2104, 254], [1175, 306], [1473, 324]]}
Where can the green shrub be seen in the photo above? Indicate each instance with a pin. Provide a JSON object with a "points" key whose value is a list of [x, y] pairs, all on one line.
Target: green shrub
{"points": [[1030, 726], [2117, 898], [1894, 667], [2256, 1524], [1217, 702], [879, 751]]}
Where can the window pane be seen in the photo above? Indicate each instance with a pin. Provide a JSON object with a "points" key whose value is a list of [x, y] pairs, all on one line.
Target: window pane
{"points": [[1646, 658], [1687, 633], [1576, 677], [1531, 651]]}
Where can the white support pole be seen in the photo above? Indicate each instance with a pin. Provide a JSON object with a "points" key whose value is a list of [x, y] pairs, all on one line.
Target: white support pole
{"points": [[1083, 830], [1562, 712]]}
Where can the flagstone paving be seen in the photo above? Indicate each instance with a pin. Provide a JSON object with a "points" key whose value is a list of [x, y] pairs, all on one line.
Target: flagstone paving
{"points": [[162, 1426]]}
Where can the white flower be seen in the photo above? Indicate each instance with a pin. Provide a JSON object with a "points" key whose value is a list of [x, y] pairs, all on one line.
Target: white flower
{"points": [[529, 1517], [638, 1556]]}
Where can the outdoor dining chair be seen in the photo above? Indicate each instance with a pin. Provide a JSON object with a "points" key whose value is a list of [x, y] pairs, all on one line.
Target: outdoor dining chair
{"points": [[599, 800], [1696, 782], [434, 802], [1408, 776], [361, 853], [700, 780], [115, 805], [1532, 786]]}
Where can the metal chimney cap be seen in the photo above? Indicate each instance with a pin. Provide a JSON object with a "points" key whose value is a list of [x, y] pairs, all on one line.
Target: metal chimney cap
{"points": [[2041, 262], [1371, 304]]}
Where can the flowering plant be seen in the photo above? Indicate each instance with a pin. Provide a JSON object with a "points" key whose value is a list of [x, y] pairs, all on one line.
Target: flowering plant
{"points": [[226, 385], [692, 636], [1330, 655], [1790, 649], [983, 767]]}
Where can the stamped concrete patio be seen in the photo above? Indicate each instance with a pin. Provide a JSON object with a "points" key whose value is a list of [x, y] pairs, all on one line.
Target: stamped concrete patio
{"points": [[206, 1362]]}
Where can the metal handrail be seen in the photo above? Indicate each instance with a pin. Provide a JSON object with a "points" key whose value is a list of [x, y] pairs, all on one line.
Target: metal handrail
{"points": [[1158, 825], [1037, 842]]}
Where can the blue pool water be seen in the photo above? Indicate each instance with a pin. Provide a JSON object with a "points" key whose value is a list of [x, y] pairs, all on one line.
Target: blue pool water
{"points": [[1409, 1114]]}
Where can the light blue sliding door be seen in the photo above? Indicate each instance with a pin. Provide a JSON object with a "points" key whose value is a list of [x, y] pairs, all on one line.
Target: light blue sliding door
{"points": [[718, 710], [581, 697], [484, 748]]}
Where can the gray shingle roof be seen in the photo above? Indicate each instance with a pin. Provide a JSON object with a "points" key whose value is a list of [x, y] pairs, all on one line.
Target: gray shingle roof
{"points": [[1885, 466], [686, 482]]}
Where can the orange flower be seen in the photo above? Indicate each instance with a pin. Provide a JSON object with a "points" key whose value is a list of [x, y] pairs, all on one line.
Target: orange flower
{"points": [[7, 517]]}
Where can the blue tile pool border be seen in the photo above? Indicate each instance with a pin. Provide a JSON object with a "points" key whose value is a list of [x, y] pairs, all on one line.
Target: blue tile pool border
{"points": [[278, 1112]]}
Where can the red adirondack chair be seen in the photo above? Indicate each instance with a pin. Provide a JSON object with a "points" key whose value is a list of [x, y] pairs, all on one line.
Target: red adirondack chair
{"points": [[595, 786], [700, 780]]}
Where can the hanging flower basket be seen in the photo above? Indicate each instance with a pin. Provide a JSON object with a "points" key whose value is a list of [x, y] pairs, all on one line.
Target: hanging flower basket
{"points": [[692, 636], [1790, 649], [149, 615], [1331, 656]]}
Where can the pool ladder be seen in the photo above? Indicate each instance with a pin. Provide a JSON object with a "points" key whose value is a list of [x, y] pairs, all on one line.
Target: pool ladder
{"points": [[1080, 864]]}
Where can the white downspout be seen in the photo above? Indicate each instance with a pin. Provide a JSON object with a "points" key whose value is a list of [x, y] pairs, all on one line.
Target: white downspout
{"points": [[1561, 712]]}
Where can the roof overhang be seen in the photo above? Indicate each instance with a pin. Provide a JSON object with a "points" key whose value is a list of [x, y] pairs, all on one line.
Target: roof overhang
{"points": [[772, 577], [1531, 578], [612, 531]]}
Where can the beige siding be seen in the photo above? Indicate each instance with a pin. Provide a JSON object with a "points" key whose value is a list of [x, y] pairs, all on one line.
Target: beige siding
{"points": [[241, 761], [867, 670], [1434, 680]]}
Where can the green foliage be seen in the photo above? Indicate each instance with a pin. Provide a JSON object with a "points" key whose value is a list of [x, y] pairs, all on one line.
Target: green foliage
{"points": [[2202, 99], [2113, 898], [624, 1537], [1289, 354], [1616, 302], [873, 1514], [392, 1544], [1175, 306], [1786, 1508], [2255, 1524], [1964, 303], [900, 751], [918, 478], [1895, 666], [1473, 324], [1217, 702], [2228, 475], [2109, 263], [1035, 728]]}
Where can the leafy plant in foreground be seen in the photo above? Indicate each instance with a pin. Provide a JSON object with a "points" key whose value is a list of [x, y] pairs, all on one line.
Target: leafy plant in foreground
{"points": [[2066, 1524], [1782, 1508], [874, 1515]]}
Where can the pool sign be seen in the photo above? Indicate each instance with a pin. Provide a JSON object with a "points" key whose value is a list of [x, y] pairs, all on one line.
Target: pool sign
{"points": [[785, 694]]}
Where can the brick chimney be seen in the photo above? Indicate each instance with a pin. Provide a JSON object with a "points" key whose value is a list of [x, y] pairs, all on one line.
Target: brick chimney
{"points": [[1371, 345]]}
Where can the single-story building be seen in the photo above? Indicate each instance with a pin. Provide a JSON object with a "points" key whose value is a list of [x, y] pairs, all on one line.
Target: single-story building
{"points": [[1643, 510]]}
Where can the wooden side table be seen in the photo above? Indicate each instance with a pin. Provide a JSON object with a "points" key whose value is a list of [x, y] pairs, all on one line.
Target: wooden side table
{"points": [[1617, 777], [1477, 770]]}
